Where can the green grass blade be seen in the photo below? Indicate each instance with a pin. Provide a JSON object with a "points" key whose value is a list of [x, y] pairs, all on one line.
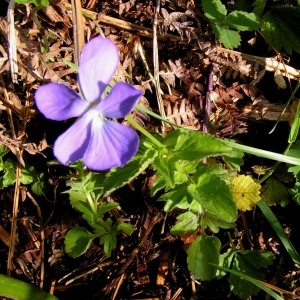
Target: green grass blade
{"points": [[19, 290], [279, 231], [256, 282]]}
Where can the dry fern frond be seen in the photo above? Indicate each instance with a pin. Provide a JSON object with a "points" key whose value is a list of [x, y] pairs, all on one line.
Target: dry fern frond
{"points": [[233, 64], [182, 113]]}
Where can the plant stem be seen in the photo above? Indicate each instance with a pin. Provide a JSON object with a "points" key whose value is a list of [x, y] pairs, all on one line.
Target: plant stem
{"points": [[144, 132], [92, 203]]}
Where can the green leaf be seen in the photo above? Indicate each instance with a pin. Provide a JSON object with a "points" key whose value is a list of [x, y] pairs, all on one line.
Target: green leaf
{"points": [[165, 170], [203, 252], [19, 290], [242, 20], [274, 192], [126, 228], [3, 150], [105, 207], [234, 160], [259, 6], [109, 242], [187, 222], [258, 283], [39, 185], [214, 196], [192, 145], [176, 196], [228, 37], [214, 223], [9, 176], [35, 2], [118, 177], [183, 169], [77, 241], [280, 28], [214, 10], [249, 262], [71, 65], [225, 261], [27, 175], [85, 209]]}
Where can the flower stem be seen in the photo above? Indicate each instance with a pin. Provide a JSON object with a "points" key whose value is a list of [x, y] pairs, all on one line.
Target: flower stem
{"points": [[144, 132]]}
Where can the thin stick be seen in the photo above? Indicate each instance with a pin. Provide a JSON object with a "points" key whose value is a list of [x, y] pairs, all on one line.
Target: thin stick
{"points": [[78, 29], [13, 231], [12, 42], [156, 65], [39, 212], [208, 100]]}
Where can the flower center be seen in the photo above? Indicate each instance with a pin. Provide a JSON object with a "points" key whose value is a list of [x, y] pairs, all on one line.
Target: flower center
{"points": [[97, 116]]}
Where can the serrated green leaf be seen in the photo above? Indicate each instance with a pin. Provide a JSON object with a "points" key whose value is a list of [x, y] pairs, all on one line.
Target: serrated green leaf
{"points": [[9, 176], [214, 223], [85, 209], [105, 207], [176, 196], [228, 37], [164, 168], [242, 20], [187, 222], [191, 145], [109, 242], [158, 185], [214, 10], [183, 169], [203, 252], [27, 175], [118, 177], [126, 228], [214, 196], [249, 262], [77, 241], [280, 27]]}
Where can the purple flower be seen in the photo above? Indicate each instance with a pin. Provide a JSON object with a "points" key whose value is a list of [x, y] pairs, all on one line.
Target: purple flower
{"points": [[100, 142]]}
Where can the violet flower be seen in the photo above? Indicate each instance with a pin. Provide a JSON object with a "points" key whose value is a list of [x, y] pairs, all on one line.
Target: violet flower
{"points": [[100, 142]]}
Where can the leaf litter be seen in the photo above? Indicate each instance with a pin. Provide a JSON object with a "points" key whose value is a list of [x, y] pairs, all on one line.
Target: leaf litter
{"points": [[150, 263]]}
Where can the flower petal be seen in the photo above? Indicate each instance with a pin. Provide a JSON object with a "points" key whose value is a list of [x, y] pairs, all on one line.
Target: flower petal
{"points": [[111, 145], [98, 63], [72, 144], [120, 101], [58, 102]]}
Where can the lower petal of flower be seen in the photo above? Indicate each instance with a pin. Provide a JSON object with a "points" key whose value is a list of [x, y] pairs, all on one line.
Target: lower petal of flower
{"points": [[72, 144], [111, 145]]}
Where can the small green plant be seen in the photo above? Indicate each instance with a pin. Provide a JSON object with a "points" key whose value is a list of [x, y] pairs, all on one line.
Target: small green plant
{"points": [[202, 192], [85, 191], [274, 22], [28, 174], [225, 26]]}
